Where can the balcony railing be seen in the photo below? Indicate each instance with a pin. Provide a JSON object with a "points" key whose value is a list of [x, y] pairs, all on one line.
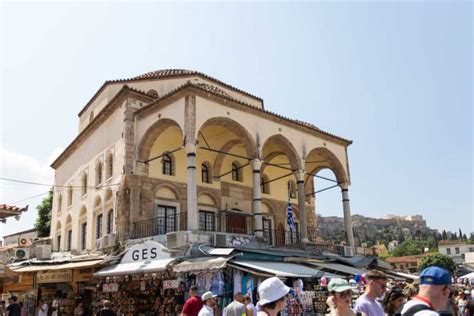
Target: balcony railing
{"points": [[160, 225], [224, 222]]}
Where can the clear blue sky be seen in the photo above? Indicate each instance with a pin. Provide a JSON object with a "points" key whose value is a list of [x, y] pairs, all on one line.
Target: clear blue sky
{"points": [[394, 77]]}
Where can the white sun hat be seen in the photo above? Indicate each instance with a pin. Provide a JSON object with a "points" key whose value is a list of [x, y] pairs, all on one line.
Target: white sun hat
{"points": [[271, 290], [207, 296]]}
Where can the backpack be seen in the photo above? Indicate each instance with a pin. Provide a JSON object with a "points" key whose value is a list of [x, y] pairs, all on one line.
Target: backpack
{"points": [[417, 308]]}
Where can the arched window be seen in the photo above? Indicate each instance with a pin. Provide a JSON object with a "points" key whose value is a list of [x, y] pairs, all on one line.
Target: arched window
{"points": [[98, 173], [292, 189], [69, 196], [167, 165], [84, 184], [205, 173], [110, 166], [60, 202], [236, 172], [110, 221], [264, 184]]}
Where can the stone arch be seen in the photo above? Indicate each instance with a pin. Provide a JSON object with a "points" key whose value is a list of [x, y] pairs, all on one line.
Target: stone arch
{"points": [[97, 201], [69, 219], [108, 195], [83, 210], [169, 186], [242, 134], [153, 132], [284, 146], [220, 157], [327, 160], [209, 195], [58, 226], [267, 209]]}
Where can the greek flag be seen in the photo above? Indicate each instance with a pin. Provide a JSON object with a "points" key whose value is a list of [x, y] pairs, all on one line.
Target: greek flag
{"points": [[291, 221]]}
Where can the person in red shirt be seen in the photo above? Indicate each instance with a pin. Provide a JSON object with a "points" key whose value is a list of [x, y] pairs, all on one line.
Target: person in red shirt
{"points": [[194, 304]]}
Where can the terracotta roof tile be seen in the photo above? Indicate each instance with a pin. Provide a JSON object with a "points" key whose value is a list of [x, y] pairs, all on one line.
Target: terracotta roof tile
{"points": [[7, 207], [211, 89]]}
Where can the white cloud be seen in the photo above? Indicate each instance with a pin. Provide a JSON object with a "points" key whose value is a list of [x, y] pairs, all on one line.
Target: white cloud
{"points": [[18, 166]]}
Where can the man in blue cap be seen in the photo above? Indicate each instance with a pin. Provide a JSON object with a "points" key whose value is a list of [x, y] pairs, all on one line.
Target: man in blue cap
{"points": [[435, 289]]}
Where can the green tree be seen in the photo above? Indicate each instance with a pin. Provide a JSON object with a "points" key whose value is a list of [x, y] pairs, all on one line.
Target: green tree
{"points": [[445, 235], [464, 237], [471, 238], [439, 260], [43, 219], [460, 233], [409, 247]]}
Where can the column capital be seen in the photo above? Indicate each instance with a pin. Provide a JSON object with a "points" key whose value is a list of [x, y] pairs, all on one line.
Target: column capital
{"points": [[299, 175], [344, 186], [256, 164], [190, 148]]}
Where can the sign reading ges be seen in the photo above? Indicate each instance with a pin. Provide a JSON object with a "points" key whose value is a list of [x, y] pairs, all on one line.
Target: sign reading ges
{"points": [[144, 254], [54, 276], [148, 251]]}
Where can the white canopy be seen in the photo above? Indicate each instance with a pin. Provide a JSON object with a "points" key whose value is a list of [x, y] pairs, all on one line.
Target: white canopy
{"points": [[467, 276], [134, 267]]}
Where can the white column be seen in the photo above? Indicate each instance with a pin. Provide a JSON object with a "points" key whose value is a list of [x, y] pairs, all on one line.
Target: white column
{"points": [[193, 217], [347, 214], [257, 199], [302, 205]]}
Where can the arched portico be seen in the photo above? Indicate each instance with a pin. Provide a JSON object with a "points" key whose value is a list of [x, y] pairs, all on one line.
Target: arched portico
{"points": [[322, 158]]}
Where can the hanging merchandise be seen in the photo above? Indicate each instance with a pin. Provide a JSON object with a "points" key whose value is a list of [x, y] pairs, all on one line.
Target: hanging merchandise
{"points": [[237, 281]]}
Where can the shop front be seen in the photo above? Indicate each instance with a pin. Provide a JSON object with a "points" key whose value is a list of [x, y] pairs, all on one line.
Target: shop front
{"points": [[142, 283], [61, 285]]}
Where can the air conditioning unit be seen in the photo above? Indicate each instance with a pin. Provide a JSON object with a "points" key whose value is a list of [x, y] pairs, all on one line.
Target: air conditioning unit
{"points": [[24, 242], [21, 253], [348, 251], [43, 252], [106, 241], [220, 240], [176, 239]]}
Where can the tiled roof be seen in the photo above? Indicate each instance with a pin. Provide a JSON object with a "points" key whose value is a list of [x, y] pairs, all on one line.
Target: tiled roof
{"points": [[6, 207], [402, 259], [213, 90], [161, 74], [167, 73]]}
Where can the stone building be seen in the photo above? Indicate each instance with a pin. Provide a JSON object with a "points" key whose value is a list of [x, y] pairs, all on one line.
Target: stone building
{"points": [[183, 157]]}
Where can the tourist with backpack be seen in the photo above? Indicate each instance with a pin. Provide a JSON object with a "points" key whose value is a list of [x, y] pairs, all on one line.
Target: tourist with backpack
{"points": [[434, 293]]}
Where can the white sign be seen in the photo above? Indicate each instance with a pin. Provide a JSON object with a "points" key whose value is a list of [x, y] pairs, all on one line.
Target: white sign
{"points": [[170, 284], [146, 252]]}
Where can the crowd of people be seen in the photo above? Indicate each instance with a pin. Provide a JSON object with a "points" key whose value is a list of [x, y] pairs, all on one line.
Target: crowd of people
{"points": [[434, 294]]}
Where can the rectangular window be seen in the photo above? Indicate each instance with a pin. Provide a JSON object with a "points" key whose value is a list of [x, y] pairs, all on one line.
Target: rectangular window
{"points": [[207, 221], [83, 236], [457, 250], [69, 240], [59, 242], [110, 221], [448, 251], [166, 219], [98, 233], [267, 230]]}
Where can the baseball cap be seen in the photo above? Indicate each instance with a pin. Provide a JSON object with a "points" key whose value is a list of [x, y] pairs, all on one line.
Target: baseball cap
{"points": [[271, 290], [338, 285], [435, 276], [207, 296]]}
